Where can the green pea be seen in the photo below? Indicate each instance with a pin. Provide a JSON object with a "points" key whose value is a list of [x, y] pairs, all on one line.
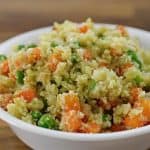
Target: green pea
{"points": [[47, 121], [54, 44], [32, 46], [2, 57], [134, 58], [74, 58], [36, 115], [20, 77], [105, 117], [138, 80], [76, 45], [91, 85], [20, 47]]}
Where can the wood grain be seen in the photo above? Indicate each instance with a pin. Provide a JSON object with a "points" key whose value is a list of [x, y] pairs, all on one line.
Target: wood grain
{"points": [[17, 16], [8, 140]]}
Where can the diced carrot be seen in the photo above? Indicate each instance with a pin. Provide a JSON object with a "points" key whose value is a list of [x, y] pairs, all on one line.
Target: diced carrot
{"points": [[117, 127], [4, 67], [7, 99], [28, 94], [87, 55], [84, 29], [17, 63], [145, 104], [122, 30], [90, 127], [121, 70], [35, 55], [54, 61], [134, 94], [134, 122], [126, 66], [104, 64], [115, 52], [72, 102], [72, 121], [21, 60]]}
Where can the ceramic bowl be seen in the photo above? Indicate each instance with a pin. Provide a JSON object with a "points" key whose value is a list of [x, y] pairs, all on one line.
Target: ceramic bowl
{"points": [[45, 139]]}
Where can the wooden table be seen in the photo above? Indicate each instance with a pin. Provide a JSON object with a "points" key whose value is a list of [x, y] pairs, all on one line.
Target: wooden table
{"points": [[17, 16]]}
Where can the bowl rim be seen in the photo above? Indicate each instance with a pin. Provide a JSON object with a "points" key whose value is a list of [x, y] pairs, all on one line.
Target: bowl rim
{"points": [[14, 122]]}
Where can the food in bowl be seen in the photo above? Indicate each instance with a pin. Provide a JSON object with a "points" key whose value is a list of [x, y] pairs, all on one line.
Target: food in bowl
{"points": [[78, 78]]}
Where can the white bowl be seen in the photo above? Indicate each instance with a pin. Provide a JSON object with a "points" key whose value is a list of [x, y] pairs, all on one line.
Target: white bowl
{"points": [[43, 139]]}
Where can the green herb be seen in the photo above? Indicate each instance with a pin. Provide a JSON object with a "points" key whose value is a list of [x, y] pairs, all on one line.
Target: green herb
{"points": [[135, 58], [54, 44], [105, 117], [74, 58], [93, 43], [32, 46], [47, 121], [138, 80], [2, 57], [20, 77], [92, 84], [20, 47], [36, 115]]}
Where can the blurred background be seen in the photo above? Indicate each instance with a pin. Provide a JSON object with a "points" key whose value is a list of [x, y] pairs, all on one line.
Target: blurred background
{"points": [[17, 16]]}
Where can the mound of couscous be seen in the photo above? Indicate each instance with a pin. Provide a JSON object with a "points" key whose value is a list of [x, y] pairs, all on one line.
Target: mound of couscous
{"points": [[78, 78]]}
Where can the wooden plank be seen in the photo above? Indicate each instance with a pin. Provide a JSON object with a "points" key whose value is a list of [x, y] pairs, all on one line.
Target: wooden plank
{"points": [[8, 139]]}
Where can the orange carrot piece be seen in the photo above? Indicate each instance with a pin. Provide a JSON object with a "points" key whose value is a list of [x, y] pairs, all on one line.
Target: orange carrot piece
{"points": [[87, 55], [127, 65], [84, 29], [35, 55], [72, 103], [114, 52], [4, 67], [28, 94], [145, 104], [72, 121], [134, 94], [54, 61], [7, 99], [134, 122], [121, 70], [122, 30], [18, 63], [104, 64], [90, 127]]}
